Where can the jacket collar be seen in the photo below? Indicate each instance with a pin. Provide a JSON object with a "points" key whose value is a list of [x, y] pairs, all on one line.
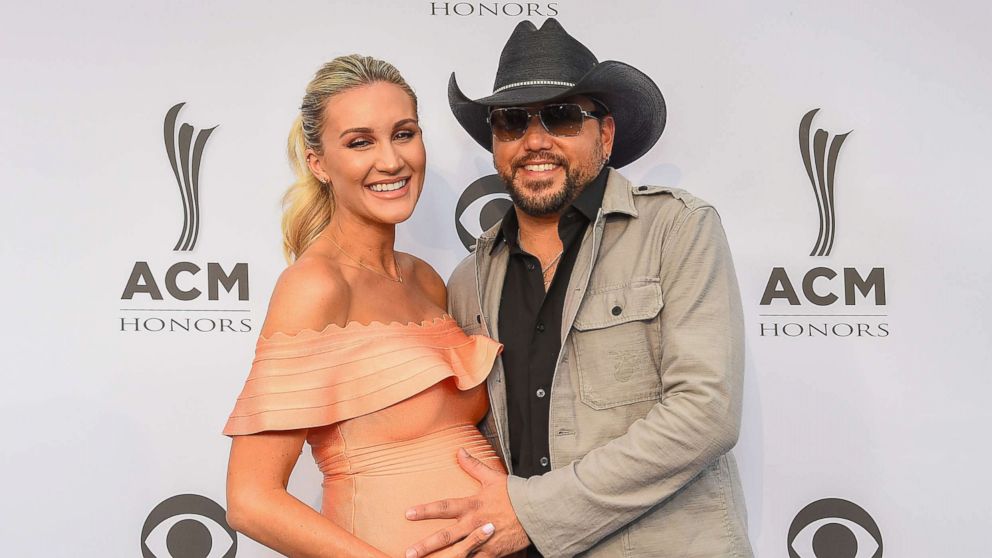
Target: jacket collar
{"points": [[619, 196]]}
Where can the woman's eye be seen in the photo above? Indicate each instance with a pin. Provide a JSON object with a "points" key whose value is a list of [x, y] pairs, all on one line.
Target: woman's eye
{"points": [[358, 143], [405, 134]]}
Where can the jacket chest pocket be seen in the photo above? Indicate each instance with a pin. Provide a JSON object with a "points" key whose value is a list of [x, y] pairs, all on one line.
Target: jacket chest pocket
{"points": [[616, 344]]}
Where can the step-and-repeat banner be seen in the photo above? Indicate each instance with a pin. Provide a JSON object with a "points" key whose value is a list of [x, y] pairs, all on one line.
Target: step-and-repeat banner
{"points": [[845, 145]]}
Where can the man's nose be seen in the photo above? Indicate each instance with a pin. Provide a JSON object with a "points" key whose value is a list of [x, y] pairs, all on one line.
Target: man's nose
{"points": [[536, 138]]}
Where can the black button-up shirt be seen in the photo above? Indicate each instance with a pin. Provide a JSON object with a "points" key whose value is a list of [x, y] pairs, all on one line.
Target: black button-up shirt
{"points": [[530, 328]]}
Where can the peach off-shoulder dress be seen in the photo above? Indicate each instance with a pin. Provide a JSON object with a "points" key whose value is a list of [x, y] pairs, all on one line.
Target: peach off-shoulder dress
{"points": [[386, 407]]}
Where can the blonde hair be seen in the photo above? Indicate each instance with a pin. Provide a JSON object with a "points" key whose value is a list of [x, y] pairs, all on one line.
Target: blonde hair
{"points": [[308, 204]]}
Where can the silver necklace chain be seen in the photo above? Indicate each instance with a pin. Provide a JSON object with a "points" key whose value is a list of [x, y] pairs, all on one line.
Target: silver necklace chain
{"points": [[398, 279], [545, 269], [553, 262]]}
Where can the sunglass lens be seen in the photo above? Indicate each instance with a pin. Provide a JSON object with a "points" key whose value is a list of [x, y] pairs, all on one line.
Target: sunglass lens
{"points": [[562, 120], [509, 124]]}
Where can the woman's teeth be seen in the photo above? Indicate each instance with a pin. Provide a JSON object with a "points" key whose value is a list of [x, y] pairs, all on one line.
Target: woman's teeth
{"points": [[388, 187], [539, 168]]}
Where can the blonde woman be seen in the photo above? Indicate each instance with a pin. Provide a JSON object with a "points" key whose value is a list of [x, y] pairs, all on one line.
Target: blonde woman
{"points": [[356, 357]]}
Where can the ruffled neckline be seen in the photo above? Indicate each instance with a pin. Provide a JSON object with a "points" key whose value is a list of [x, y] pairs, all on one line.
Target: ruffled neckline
{"points": [[317, 378], [355, 325]]}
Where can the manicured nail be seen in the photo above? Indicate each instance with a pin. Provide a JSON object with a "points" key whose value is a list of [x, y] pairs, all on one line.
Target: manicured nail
{"points": [[410, 514], [411, 553], [488, 528]]}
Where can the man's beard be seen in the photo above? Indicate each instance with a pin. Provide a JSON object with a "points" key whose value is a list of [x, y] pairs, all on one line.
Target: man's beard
{"points": [[576, 179]]}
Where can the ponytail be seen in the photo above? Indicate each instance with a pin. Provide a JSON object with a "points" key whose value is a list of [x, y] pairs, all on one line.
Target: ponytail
{"points": [[307, 205]]}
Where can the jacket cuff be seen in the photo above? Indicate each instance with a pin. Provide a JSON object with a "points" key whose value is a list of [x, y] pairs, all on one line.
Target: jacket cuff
{"points": [[528, 517]]}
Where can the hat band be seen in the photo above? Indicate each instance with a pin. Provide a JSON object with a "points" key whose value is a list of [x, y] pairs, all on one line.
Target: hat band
{"points": [[533, 82]]}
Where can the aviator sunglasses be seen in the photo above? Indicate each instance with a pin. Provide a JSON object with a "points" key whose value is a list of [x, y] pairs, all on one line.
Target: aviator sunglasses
{"points": [[560, 119]]}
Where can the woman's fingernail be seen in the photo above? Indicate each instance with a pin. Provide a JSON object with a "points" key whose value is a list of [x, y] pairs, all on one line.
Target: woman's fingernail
{"points": [[410, 514], [411, 553], [488, 528]]}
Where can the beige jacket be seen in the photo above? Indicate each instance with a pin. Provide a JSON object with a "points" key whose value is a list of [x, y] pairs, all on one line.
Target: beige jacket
{"points": [[646, 397]]}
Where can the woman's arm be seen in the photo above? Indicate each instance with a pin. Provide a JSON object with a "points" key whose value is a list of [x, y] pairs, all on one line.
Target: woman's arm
{"points": [[260, 507], [309, 295]]}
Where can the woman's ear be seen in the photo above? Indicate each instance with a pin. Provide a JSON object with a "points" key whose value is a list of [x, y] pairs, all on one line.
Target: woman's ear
{"points": [[316, 165]]}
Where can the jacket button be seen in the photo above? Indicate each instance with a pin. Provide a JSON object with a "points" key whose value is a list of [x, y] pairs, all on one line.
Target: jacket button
{"points": [[544, 462], [478, 318], [616, 310], [540, 393], [642, 188], [540, 327]]}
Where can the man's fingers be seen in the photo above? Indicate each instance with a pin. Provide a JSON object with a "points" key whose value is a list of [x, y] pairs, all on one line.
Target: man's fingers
{"points": [[439, 540], [474, 540], [466, 547], [477, 469], [449, 508]]}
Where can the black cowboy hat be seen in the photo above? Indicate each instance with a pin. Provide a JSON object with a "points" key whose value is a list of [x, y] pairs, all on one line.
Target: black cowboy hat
{"points": [[545, 64]]}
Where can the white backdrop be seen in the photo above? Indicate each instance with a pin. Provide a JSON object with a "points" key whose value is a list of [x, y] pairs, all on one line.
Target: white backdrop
{"points": [[102, 423]]}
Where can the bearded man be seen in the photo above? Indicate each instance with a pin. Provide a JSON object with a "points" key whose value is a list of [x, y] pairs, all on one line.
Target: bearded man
{"points": [[617, 399]]}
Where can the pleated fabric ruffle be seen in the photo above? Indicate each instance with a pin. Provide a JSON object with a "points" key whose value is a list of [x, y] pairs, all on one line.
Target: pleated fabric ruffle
{"points": [[316, 378]]}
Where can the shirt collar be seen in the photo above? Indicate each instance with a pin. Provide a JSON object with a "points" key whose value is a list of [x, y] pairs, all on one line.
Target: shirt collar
{"points": [[591, 199]]}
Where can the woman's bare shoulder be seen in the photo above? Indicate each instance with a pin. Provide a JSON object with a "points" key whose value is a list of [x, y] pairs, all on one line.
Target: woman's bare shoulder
{"points": [[310, 294], [427, 279]]}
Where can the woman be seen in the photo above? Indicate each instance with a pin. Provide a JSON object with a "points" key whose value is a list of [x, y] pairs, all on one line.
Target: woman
{"points": [[356, 356]]}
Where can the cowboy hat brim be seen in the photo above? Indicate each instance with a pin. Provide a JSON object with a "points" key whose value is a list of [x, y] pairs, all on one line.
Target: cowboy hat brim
{"points": [[634, 100]]}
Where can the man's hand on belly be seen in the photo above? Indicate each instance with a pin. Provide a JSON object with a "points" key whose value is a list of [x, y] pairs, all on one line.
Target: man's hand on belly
{"points": [[491, 505]]}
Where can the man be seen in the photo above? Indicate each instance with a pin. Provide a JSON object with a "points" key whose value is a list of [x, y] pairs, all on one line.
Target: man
{"points": [[617, 398]]}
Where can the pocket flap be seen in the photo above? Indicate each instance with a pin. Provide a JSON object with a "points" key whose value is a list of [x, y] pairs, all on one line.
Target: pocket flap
{"points": [[608, 306]]}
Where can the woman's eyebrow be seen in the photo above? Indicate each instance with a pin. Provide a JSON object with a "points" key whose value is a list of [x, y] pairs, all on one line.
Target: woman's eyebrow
{"points": [[369, 130], [356, 130]]}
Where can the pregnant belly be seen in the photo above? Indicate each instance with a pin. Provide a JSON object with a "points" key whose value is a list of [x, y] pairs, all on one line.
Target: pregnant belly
{"points": [[367, 491]]}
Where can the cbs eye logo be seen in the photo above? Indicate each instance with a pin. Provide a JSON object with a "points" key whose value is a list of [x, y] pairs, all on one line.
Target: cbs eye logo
{"points": [[834, 528], [188, 526], [480, 206]]}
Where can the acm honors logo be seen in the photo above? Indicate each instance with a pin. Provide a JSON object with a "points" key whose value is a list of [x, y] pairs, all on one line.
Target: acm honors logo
{"points": [[484, 9], [834, 528], [838, 297], [167, 298], [188, 526]]}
